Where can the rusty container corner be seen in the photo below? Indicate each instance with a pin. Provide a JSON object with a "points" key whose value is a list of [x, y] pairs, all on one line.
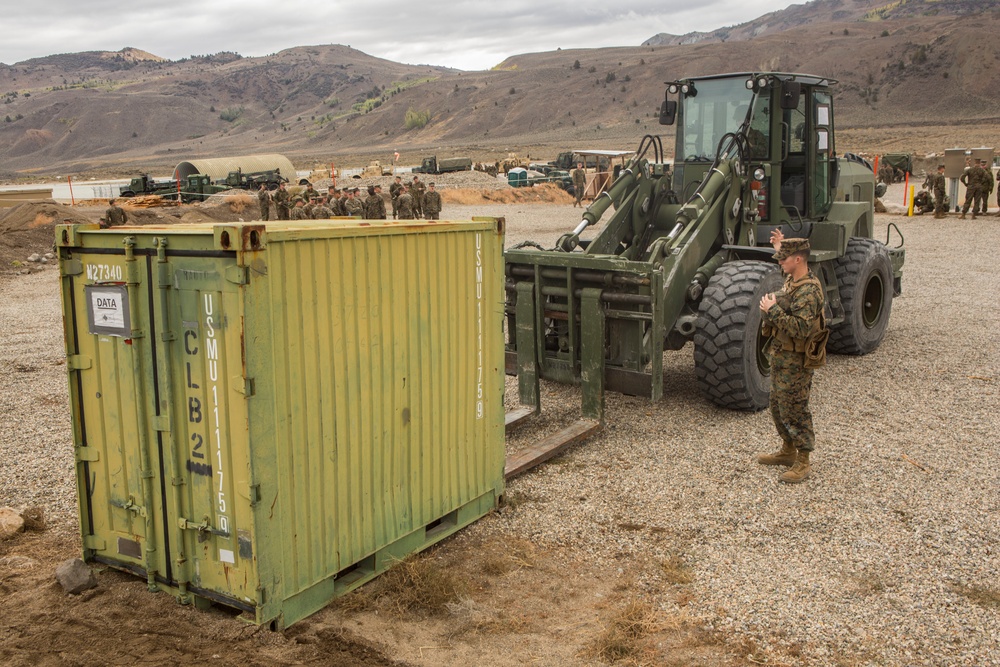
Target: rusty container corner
{"points": [[268, 415]]}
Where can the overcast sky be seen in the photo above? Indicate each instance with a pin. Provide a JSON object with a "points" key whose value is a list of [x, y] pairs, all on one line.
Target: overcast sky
{"points": [[464, 34]]}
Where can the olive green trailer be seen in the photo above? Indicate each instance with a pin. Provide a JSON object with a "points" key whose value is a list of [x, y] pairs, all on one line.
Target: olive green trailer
{"points": [[268, 415]]}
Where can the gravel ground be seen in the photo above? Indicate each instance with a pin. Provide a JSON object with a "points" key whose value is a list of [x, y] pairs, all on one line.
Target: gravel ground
{"points": [[888, 555]]}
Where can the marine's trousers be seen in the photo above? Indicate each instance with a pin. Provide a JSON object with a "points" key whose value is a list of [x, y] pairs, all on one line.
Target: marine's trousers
{"points": [[791, 383]]}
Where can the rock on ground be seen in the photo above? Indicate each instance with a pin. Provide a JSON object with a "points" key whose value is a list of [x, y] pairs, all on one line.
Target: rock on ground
{"points": [[11, 523], [75, 577]]}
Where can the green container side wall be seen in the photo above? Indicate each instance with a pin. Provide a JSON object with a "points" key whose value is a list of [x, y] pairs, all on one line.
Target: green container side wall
{"points": [[369, 388], [331, 339]]}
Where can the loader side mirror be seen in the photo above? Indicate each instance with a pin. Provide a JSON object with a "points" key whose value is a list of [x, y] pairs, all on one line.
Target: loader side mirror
{"points": [[790, 92], [834, 173], [668, 112]]}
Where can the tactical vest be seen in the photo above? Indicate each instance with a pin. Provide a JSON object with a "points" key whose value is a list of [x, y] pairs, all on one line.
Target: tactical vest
{"points": [[782, 340]]}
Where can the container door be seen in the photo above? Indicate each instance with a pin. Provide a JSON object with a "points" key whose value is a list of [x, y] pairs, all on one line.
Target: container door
{"points": [[110, 360], [204, 383]]}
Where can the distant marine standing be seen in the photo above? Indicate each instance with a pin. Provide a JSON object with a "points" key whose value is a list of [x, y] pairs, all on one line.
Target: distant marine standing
{"points": [[404, 204], [432, 203], [264, 202], [115, 216]]}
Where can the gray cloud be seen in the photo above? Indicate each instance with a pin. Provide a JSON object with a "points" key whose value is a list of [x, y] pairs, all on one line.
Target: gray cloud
{"points": [[463, 34]]}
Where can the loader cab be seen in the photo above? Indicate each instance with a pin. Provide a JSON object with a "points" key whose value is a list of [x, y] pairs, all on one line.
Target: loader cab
{"points": [[787, 122]]}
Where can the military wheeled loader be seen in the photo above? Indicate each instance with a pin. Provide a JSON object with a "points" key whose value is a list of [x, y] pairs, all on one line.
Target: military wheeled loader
{"points": [[666, 257]]}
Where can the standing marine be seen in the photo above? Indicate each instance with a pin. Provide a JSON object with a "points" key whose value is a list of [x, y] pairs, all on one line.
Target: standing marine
{"points": [[432, 203], [281, 202], [417, 192], [264, 202], [579, 184], [792, 319], [404, 203], [115, 216], [353, 205], [394, 190]]}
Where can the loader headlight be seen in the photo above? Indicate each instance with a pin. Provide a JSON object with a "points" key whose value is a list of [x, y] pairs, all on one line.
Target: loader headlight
{"points": [[758, 174], [749, 83], [673, 88]]}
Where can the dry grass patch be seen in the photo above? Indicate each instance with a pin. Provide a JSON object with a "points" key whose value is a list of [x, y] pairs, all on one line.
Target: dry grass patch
{"points": [[418, 585], [627, 635], [676, 571]]}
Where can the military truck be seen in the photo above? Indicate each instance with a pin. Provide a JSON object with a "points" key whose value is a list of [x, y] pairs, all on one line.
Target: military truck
{"points": [[686, 258], [144, 185], [272, 178], [199, 187], [432, 165]]}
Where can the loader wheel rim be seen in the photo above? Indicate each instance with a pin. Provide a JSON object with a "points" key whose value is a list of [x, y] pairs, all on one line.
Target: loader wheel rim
{"points": [[874, 296], [763, 365]]}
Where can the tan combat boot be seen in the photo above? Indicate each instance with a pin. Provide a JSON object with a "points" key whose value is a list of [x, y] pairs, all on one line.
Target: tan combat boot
{"points": [[799, 472], [962, 217], [785, 457]]}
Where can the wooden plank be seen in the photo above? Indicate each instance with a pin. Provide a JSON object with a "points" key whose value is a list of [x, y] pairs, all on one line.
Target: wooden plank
{"points": [[516, 416], [547, 447]]}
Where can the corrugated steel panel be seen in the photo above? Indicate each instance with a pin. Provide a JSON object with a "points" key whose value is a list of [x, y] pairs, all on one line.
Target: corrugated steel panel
{"points": [[219, 167], [269, 415]]}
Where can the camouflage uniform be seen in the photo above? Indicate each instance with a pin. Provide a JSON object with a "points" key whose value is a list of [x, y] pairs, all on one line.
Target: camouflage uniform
{"points": [[417, 192], [404, 203], [264, 201], [299, 213], [281, 198], [353, 206], [432, 205], [789, 322], [115, 216], [938, 185], [579, 185], [336, 206], [989, 183], [374, 207], [974, 181], [321, 212], [394, 191]]}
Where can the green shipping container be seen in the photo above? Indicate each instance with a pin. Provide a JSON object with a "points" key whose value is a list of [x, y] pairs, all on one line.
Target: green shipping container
{"points": [[268, 415]]}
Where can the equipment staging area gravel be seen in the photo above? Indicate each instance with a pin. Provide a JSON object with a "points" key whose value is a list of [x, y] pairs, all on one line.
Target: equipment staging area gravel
{"points": [[888, 555]]}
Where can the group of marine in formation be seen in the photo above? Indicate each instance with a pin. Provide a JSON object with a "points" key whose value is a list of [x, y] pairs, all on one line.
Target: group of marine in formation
{"points": [[979, 184], [410, 201]]}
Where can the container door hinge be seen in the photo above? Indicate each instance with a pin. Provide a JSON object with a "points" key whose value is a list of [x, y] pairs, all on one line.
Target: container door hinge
{"points": [[94, 543], [78, 362], [134, 507], [88, 454], [238, 275], [168, 336], [71, 267], [243, 385], [161, 423]]}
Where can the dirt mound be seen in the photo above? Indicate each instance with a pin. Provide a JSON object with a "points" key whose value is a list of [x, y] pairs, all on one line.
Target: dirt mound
{"points": [[33, 215], [546, 193], [29, 228]]}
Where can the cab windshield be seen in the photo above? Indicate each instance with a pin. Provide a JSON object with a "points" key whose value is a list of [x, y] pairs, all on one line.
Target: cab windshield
{"points": [[717, 107]]}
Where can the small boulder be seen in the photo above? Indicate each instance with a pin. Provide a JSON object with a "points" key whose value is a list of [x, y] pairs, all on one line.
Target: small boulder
{"points": [[49, 255], [11, 523], [34, 257], [34, 518], [75, 577]]}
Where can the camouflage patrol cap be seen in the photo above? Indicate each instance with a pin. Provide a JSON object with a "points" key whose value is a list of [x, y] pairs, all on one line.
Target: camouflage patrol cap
{"points": [[791, 246]]}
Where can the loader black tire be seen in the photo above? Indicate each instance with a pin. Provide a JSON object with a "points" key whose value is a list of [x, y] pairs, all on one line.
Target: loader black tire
{"points": [[729, 360], [864, 277]]}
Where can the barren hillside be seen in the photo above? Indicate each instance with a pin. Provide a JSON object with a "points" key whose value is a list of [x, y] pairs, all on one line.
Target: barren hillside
{"points": [[910, 80]]}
